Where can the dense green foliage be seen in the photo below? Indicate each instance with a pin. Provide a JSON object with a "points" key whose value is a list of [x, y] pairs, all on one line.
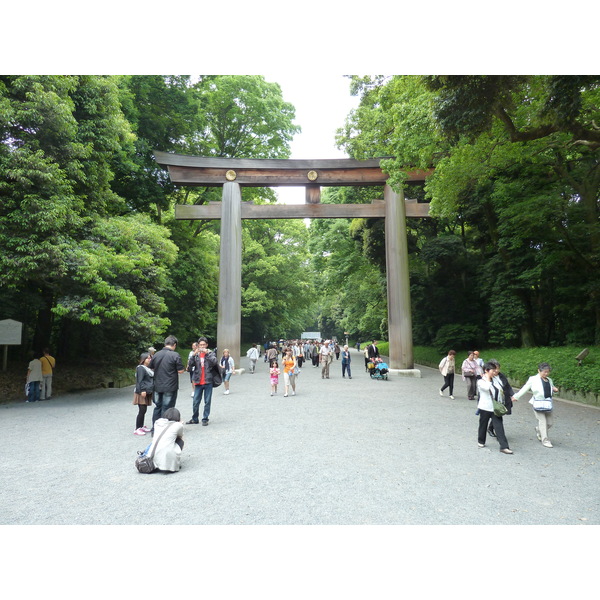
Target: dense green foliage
{"points": [[92, 260], [513, 254]]}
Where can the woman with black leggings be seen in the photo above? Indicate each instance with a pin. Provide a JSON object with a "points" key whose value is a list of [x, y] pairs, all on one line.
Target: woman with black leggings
{"points": [[143, 392]]}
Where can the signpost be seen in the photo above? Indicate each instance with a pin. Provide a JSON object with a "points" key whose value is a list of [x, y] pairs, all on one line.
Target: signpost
{"points": [[10, 335]]}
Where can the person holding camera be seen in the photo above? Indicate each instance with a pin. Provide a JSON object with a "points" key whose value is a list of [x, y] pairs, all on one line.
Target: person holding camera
{"points": [[202, 365]]}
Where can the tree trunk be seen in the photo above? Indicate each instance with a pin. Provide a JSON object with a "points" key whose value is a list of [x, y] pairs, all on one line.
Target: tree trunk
{"points": [[45, 317]]}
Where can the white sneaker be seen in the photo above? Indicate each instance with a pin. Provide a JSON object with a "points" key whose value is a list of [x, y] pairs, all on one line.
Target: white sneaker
{"points": [[547, 443], [293, 393], [441, 393], [139, 431], [451, 397], [226, 392]]}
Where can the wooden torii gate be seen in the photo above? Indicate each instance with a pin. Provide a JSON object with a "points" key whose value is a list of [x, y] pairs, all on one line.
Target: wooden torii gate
{"points": [[231, 174]]}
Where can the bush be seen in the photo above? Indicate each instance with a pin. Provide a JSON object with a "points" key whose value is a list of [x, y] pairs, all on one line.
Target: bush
{"points": [[520, 363]]}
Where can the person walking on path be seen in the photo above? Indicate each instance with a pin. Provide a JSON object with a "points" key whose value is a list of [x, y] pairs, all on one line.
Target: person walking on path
{"points": [[289, 377], [506, 391], [252, 355], [143, 392], [167, 454], [48, 365], [488, 391], [34, 378], [274, 376], [167, 366], [470, 370], [315, 353], [373, 350], [346, 360], [447, 368], [325, 359], [298, 352], [367, 359], [542, 389], [203, 362], [272, 354], [227, 367]]}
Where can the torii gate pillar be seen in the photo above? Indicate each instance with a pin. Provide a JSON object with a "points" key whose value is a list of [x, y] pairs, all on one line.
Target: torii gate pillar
{"points": [[229, 323], [398, 286]]}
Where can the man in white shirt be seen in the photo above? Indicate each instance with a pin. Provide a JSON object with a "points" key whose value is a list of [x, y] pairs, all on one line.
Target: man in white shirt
{"points": [[325, 359], [252, 354]]}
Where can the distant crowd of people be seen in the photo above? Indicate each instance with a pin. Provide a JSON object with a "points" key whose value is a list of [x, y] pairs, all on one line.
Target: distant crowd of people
{"points": [[486, 383]]}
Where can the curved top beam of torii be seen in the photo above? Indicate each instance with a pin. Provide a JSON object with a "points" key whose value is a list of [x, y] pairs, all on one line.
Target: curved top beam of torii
{"points": [[312, 174], [273, 172]]}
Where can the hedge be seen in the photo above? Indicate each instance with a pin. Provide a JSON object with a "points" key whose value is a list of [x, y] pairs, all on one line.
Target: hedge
{"points": [[519, 363]]}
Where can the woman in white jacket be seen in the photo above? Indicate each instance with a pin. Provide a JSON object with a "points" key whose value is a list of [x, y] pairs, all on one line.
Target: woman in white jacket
{"points": [[487, 391], [167, 456], [541, 388]]}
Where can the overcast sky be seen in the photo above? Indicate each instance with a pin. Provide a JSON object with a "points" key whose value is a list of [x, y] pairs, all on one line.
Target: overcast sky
{"points": [[322, 103]]}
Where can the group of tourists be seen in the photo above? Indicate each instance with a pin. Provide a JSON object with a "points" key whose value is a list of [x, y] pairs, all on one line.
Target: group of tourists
{"points": [[490, 386], [157, 382], [38, 380], [295, 352]]}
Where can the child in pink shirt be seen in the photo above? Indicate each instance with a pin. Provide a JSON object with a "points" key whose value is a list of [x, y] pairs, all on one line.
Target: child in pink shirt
{"points": [[274, 375]]}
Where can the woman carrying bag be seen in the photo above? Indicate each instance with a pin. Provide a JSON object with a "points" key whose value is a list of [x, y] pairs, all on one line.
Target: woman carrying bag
{"points": [[542, 389], [488, 392], [447, 368], [289, 372], [168, 446], [470, 370]]}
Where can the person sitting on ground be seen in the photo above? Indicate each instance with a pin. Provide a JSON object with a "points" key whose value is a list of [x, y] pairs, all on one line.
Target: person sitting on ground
{"points": [[167, 454]]}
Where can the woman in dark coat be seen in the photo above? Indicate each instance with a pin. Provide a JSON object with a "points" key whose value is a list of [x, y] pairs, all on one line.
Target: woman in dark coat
{"points": [[143, 392]]}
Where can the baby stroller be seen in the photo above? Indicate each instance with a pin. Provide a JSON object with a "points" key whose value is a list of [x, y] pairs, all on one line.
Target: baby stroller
{"points": [[378, 369]]}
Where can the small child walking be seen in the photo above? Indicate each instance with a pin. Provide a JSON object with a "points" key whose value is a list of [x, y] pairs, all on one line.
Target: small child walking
{"points": [[274, 376]]}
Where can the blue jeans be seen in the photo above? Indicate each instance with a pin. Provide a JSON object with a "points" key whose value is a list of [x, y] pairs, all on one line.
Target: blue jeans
{"points": [[207, 389], [346, 367], [162, 402], [34, 391]]}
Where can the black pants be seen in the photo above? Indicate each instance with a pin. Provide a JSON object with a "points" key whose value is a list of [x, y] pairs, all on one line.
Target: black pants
{"points": [[484, 418], [139, 422], [448, 383]]}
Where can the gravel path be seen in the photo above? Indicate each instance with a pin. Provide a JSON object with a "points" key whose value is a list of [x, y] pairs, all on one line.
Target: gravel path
{"points": [[341, 452]]}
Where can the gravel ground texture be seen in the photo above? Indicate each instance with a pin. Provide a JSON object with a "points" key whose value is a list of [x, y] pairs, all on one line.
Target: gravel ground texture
{"points": [[340, 452]]}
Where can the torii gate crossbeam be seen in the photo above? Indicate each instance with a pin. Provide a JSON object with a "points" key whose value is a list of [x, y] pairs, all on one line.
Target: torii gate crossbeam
{"points": [[232, 173]]}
